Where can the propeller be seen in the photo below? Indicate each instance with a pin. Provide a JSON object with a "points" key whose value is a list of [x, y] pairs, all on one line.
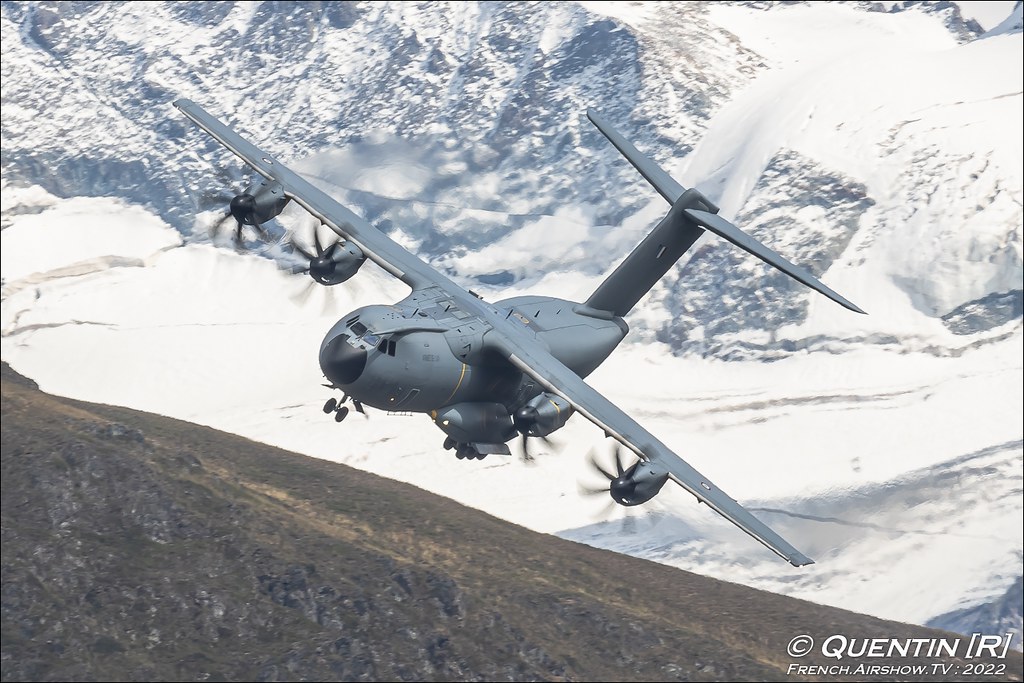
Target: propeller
{"points": [[620, 484], [319, 264], [524, 447], [524, 419], [244, 213], [242, 208]]}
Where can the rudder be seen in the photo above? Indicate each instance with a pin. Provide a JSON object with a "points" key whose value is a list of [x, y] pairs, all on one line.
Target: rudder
{"points": [[652, 258]]}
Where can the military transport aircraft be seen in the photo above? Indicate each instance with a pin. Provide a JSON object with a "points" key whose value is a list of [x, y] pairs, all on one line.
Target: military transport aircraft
{"points": [[487, 372]]}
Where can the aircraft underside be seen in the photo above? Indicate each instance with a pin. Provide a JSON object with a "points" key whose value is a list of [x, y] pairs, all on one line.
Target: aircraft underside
{"points": [[422, 356]]}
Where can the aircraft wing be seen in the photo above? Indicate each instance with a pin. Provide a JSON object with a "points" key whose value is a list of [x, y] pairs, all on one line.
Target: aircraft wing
{"points": [[558, 379], [377, 246], [530, 357]]}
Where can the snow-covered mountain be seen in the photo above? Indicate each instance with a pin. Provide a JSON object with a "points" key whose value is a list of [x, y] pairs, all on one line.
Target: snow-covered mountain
{"points": [[879, 144]]}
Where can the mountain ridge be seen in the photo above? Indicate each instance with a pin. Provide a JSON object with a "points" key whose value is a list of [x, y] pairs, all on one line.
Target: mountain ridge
{"points": [[137, 546], [495, 95]]}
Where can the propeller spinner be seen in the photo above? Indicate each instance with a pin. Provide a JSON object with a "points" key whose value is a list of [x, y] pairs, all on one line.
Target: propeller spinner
{"points": [[525, 421], [258, 204], [330, 265], [321, 264], [629, 486]]}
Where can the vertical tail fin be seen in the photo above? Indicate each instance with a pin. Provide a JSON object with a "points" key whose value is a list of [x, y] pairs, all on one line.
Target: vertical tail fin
{"points": [[651, 259]]}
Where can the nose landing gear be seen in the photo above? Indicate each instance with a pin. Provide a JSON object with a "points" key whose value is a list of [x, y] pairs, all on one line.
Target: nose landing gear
{"points": [[341, 411]]}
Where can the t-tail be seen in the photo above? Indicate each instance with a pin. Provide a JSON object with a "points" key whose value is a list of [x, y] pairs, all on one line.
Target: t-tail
{"points": [[691, 214]]}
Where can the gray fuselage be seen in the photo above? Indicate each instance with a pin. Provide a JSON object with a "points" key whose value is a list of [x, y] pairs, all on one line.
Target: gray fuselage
{"points": [[424, 353]]}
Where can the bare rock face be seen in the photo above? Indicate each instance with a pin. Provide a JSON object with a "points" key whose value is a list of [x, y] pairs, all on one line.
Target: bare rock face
{"points": [[986, 313]]}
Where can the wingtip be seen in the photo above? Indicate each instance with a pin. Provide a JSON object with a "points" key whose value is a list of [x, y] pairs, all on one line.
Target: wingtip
{"points": [[799, 560], [849, 305]]}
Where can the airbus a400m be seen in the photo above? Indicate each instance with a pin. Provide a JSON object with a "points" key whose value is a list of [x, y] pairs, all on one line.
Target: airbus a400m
{"points": [[485, 372]]}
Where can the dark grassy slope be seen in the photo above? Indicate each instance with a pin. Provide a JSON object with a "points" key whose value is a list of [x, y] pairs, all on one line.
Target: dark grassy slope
{"points": [[140, 547]]}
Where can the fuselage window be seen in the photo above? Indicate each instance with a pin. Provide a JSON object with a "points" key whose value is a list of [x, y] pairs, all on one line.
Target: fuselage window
{"points": [[383, 346], [391, 347]]}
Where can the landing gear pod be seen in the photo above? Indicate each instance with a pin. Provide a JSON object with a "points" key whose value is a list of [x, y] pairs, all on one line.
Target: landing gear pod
{"points": [[475, 422]]}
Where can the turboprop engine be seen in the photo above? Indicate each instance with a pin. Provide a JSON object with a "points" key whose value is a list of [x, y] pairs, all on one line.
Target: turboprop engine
{"points": [[633, 485], [542, 415]]}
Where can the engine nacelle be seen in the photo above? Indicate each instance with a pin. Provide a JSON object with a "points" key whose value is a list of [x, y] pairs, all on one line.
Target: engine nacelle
{"points": [[638, 484], [475, 422], [542, 415], [340, 262], [259, 203]]}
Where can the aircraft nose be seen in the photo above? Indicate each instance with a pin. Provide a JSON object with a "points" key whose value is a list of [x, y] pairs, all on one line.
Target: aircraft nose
{"points": [[341, 362]]}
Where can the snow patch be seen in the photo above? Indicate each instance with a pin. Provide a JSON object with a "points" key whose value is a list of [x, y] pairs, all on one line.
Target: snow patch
{"points": [[78, 230]]}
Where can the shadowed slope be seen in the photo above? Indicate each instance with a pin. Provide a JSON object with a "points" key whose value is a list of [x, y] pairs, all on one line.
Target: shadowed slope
{"points": [[140, 547]]}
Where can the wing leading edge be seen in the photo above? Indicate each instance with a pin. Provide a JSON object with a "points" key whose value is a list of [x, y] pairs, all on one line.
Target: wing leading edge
{"points": [[378, 247], [560, 380]]}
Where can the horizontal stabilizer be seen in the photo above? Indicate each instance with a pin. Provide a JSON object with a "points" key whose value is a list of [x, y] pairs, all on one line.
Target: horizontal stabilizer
{"points": [[654, 174], [726, 230]]}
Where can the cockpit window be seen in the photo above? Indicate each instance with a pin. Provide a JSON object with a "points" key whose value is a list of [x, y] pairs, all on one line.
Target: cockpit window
{"points": [[386, 346], [371, 339], [358, 329]]}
